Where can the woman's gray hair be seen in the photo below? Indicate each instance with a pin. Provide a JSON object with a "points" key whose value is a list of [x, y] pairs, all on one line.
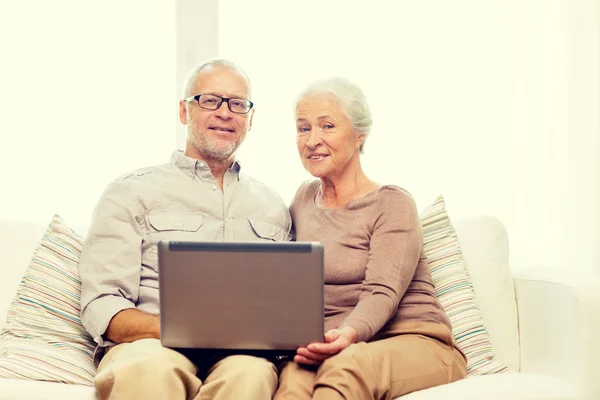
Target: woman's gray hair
{"points": [[349, 96], [192, 77]]}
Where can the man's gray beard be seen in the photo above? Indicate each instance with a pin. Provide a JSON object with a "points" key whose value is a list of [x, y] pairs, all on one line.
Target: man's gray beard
{"points": [[208, 149]]}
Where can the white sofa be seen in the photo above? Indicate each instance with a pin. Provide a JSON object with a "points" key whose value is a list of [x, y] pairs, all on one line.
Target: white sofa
{"points": [[541, 326]]}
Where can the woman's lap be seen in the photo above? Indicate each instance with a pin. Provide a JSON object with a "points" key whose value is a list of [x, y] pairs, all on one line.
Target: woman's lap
{"points": [[381, 369]]}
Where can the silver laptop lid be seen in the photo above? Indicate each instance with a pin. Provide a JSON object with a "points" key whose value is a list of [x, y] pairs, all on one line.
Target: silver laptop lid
{"points": [[240, 296]]}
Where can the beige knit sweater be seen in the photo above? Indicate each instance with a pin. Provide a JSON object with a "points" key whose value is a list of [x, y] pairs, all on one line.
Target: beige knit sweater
{"points": [[376, 274]]}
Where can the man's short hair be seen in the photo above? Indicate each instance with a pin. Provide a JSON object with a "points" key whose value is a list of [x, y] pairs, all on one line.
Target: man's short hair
{"points": [[190, 81]]}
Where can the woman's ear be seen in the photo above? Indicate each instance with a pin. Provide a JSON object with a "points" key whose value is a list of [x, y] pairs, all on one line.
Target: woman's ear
{"points": [[361, 140]]}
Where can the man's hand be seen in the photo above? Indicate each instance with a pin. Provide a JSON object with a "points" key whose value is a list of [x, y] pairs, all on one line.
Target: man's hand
{"points": [[336, 340], [132, 324]]}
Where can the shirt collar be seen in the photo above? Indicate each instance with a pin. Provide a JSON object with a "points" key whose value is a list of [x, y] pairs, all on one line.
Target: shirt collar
{"points": [[186, 163]]}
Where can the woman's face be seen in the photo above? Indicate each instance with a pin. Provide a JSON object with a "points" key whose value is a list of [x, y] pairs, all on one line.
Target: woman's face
{"points": [[326, 141]]}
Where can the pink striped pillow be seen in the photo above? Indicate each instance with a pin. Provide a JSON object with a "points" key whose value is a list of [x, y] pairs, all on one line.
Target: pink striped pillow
{"points": [[455, 292], [43, 338]]}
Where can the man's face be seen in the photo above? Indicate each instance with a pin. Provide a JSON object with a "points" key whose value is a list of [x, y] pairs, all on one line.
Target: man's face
{"points": [[216, 134]]}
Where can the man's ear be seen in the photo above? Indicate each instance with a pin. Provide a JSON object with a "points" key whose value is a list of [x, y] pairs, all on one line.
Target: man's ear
{"points": [[251, 117], [182, 112]]}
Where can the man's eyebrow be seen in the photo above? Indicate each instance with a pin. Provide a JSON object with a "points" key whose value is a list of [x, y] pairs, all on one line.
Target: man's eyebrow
{"points": [[301, 120]]}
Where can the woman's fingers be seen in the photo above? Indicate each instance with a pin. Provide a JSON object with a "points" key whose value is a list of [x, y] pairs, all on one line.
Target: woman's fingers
{"points": [[311, 355], [321, 353], [306, 361], [332, 335], [329, 348], [315, 353]]}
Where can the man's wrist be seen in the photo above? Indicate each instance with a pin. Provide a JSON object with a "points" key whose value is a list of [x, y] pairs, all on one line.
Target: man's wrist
{"points": [[157, 328]]}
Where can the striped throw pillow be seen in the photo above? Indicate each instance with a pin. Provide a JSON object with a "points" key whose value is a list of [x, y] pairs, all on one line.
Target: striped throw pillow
{"points": [[455, 292], [43, 338]]}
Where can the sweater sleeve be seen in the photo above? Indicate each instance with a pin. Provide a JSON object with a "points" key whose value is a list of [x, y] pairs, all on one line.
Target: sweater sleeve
{"points": [[395, 247], [302, 195]]}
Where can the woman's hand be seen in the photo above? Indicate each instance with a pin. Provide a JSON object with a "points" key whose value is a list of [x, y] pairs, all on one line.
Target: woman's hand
{"points": [[336, 340]]}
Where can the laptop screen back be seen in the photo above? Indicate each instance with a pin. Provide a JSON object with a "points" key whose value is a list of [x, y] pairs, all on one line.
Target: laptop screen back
{"points": [[240, 296]]}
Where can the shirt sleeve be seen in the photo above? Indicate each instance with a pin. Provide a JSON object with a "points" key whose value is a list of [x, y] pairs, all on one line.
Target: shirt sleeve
{"points": [[395, 248], [110, 265]]}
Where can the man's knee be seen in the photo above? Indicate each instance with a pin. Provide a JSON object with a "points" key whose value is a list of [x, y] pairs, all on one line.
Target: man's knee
{"points": [[145, 350], [253, 373], [238, 377], [241, 366], [144, 359], [145, 367]]}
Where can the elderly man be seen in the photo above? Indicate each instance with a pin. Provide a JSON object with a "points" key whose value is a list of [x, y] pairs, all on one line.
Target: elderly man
{"points": [[199, 195]]}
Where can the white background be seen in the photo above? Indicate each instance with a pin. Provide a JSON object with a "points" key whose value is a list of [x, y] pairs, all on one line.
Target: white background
{"points": [[492, 103], [86, 94]]}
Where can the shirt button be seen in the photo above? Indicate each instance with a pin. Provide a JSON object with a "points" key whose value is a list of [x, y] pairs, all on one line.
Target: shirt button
{"points": [[202, 165], [191, 174], [214, 187], [178, 224]]}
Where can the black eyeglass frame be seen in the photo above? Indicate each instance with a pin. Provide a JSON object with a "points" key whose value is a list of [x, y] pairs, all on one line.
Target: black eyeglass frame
{"points": [[223, 99]]}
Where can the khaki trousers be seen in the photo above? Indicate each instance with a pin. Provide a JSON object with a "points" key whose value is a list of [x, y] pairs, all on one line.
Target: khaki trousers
{"points": [[146, 370], [412, 358]]}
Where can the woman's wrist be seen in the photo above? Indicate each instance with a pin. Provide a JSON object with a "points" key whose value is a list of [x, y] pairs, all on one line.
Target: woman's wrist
{"points": [[350, 333]]}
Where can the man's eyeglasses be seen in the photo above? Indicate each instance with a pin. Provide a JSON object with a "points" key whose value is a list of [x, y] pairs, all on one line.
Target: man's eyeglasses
{"points": [[212, 102]]}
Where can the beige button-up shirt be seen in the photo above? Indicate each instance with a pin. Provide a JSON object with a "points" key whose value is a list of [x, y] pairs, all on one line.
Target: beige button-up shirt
{"points": [[180, 200]]}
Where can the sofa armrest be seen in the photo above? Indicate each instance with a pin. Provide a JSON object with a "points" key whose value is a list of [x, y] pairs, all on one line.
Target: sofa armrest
{"points": [[559, 318]]}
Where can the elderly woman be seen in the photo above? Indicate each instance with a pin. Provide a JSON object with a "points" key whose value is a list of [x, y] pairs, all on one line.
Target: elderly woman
{"points": [[386, 332]]}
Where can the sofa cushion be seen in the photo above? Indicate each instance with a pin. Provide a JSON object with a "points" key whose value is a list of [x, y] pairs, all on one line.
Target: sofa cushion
{"points": [[484, 245], [19, 240], [455, 292], [43, 338], [11, 389], [513, 386]]}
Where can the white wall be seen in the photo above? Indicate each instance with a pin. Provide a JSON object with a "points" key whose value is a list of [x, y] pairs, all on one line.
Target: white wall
{"points": [[494, 104], [196, 26], [555, 132], [86, 95]]}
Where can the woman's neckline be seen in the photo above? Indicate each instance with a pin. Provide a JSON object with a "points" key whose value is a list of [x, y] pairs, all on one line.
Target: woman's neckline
{"points": [[345, 206]]}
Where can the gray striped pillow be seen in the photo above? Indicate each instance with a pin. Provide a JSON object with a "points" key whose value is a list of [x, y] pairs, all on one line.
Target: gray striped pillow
{"points": [[455, 292], [43, 338]]}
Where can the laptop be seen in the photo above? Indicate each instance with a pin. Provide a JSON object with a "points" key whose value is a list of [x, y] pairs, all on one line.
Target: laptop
{"points": [[241, 297]]}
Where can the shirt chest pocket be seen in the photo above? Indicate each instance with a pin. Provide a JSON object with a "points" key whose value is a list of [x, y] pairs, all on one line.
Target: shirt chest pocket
{"points": [[268, 230], [168, 226], [174, 223]]}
